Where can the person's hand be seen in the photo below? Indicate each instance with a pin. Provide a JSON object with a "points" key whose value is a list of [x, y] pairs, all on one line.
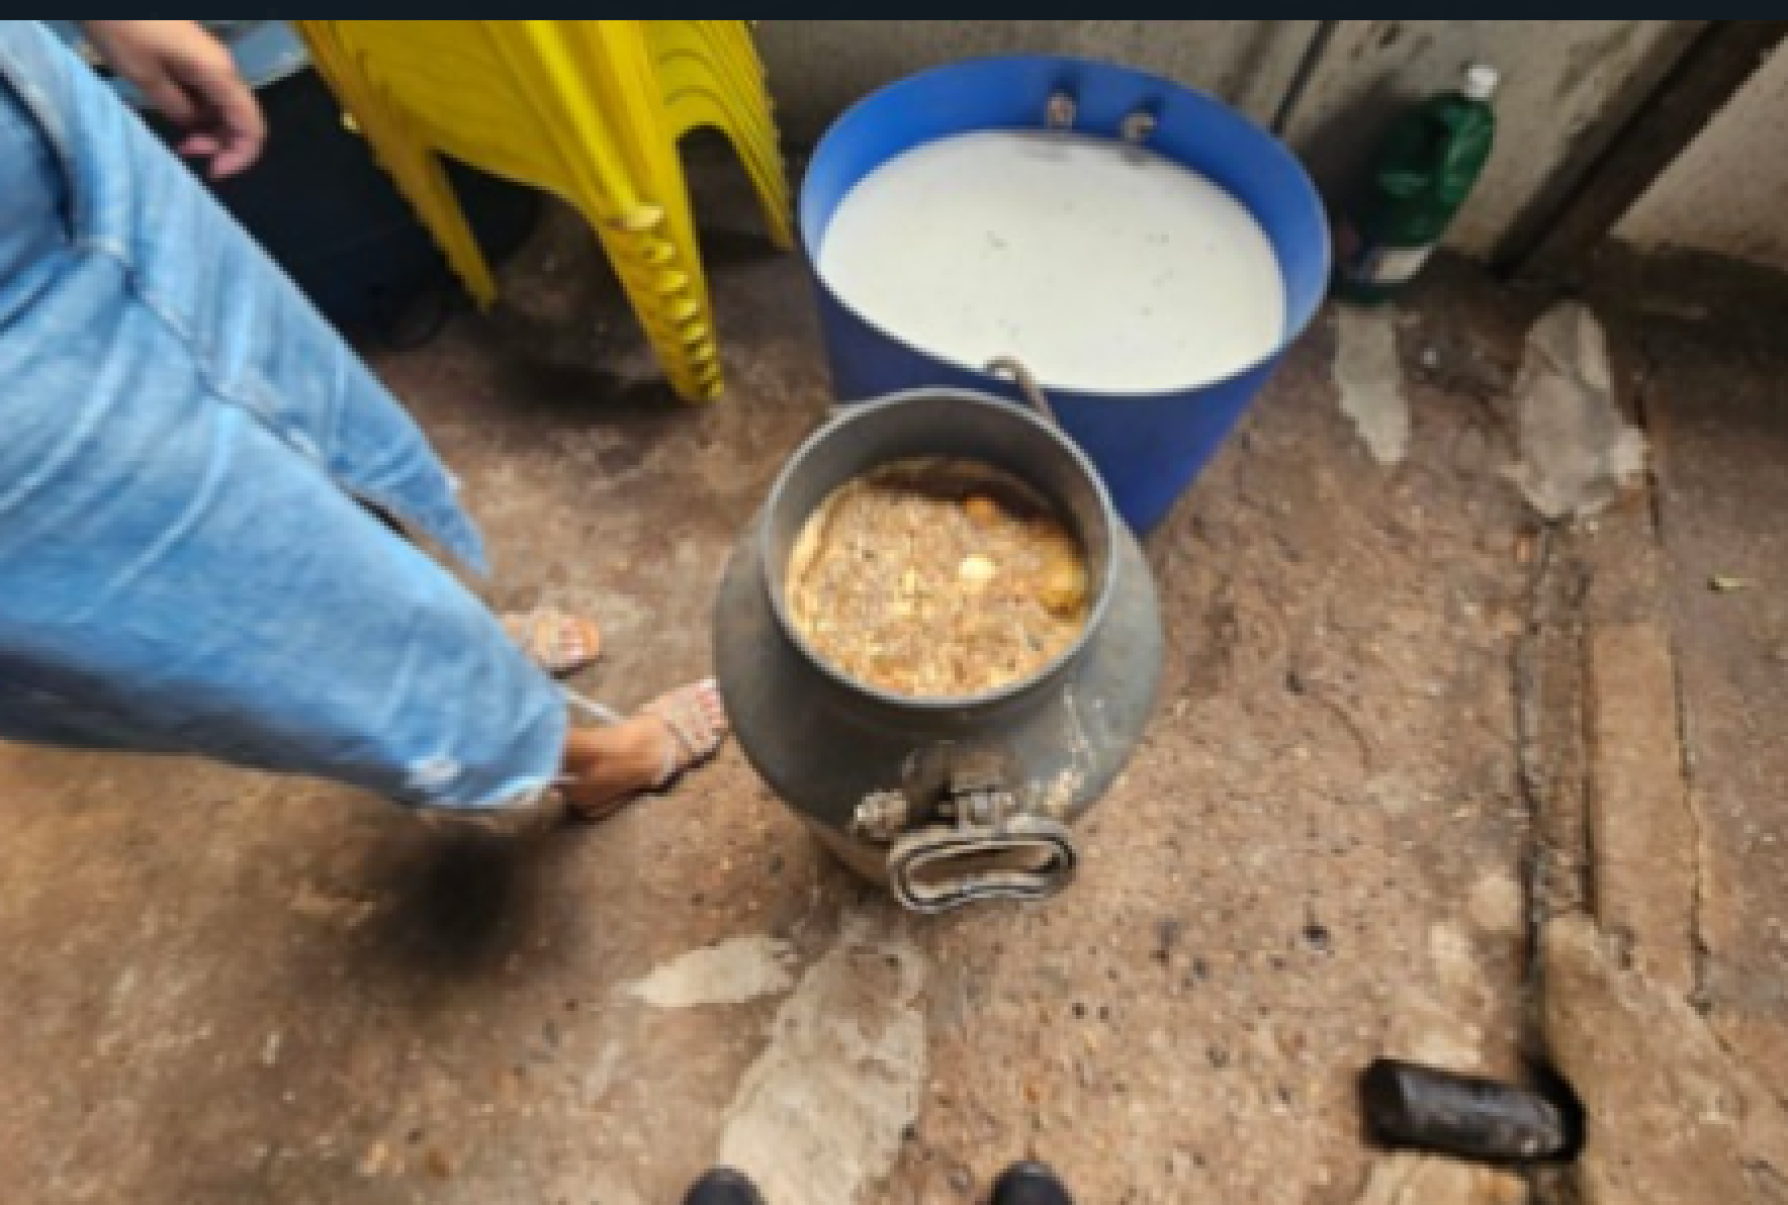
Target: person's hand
{"points": [[190, 77]]}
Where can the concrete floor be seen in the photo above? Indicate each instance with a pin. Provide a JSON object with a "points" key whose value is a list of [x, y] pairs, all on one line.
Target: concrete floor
{"points": [[1724, 501], [223, 987]]}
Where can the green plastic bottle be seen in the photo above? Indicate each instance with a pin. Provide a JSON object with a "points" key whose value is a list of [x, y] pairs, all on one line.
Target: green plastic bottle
{"points": [[1425, 169]]}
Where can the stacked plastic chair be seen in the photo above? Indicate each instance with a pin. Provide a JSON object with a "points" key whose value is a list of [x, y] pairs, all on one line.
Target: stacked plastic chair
{"points": [[589, 110], [709, 75]]}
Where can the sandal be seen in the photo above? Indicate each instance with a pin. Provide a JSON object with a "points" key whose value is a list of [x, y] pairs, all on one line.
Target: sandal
{"points": [[557, 642], [694, 723], [697, 724]]}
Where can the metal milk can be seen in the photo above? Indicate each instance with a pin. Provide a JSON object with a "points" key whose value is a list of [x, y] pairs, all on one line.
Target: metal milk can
{"points": [[945, 800]]}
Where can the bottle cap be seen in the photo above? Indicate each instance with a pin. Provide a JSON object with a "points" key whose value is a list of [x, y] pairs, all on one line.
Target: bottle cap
{"points": [[1481, 81]]}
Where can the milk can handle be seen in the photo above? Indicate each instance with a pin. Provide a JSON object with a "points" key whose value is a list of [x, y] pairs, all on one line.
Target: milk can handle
{"points": [[1027, 384], [939, 848]]}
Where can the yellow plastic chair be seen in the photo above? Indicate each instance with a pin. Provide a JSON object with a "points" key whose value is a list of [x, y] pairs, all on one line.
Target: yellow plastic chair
{"points": [[687, 88], [704, 82], [589, 110]]}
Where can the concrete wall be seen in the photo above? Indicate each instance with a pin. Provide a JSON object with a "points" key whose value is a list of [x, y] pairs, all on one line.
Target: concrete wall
{"points": [[817, 68], [1568, 84], [1728, 193], [1567, 87]]}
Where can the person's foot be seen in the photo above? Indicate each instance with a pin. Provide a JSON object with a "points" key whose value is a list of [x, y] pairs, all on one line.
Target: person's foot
{"points": [[558, 643], [1029, 1183], [605, 768], [723, 1186]]}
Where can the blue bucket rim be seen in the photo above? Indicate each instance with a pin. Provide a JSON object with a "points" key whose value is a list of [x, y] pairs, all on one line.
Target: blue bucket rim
{"points": [[1294, 327]]}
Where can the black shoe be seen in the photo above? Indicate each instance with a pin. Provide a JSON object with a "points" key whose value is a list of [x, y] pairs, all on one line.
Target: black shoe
{"points": [[1029, 1184], [724, 1186]]}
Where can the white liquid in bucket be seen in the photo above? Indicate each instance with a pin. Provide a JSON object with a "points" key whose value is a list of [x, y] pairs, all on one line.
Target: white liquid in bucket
{"points": [[1102, 267]]}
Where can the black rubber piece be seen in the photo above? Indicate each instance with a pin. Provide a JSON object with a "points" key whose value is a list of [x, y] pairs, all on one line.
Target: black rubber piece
{"points": [[723, 1186], [1465, 1115], [1029, 1184]]}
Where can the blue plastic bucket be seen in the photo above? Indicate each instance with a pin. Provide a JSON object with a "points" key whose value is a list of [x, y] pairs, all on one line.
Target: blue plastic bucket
{"points": [[1147, 446]]}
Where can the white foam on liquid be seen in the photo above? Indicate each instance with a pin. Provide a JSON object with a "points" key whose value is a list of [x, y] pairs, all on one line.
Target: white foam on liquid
{"points": [[1102, 267]]}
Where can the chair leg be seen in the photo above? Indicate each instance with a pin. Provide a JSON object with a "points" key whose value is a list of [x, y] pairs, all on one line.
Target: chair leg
{"points": [[414, 169], [424, 183], [667, 294]]}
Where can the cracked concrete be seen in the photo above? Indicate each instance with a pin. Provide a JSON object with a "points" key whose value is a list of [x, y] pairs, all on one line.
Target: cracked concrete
{"points": [[1673, 1116], [222, 987], [1641, 829], [1714, 394], [824, 1109], [1677, 1071], [1369, 377], [732, 972]]}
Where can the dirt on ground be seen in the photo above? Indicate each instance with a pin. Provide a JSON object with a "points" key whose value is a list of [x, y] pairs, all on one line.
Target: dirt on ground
{"points": [[225, 987]]}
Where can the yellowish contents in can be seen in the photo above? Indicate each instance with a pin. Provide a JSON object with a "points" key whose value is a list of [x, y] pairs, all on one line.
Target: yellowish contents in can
{"points": [[934, 578]]}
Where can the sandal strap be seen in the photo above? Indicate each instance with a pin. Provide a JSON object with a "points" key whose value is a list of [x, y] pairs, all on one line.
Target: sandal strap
{"points": [[682, 751]]}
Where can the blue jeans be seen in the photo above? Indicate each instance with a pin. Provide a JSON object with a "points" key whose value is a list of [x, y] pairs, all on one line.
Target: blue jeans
{"points": [[186, 561]]}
